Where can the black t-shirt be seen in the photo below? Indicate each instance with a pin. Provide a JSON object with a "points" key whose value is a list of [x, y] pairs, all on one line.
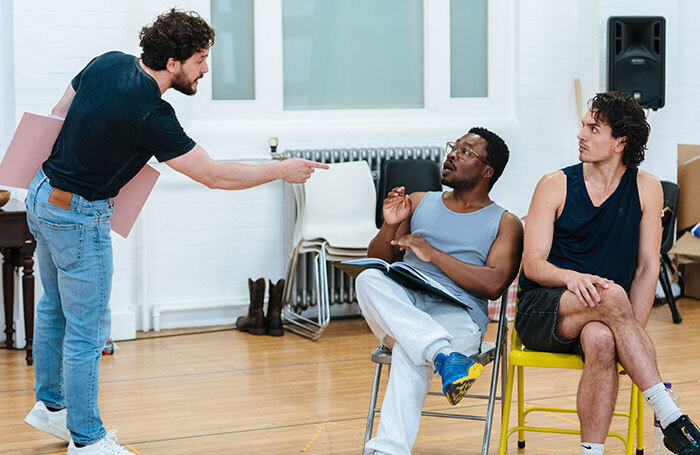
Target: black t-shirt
{"points": [[116, 122]]}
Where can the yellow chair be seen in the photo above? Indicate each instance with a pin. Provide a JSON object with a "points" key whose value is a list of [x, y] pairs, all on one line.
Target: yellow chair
{"points": [[521, 357]]}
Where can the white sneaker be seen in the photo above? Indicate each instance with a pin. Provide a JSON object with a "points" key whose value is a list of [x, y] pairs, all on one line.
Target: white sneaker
{"points": [[106, 446], [53, 423]]}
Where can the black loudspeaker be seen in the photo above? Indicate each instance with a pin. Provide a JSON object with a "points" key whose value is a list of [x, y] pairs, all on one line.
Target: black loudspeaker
{"points": [[636, 60]]}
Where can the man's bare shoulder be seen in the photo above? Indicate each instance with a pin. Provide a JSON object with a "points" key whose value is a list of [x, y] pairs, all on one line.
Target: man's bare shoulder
{"points": [[510, 223], [551, 189], [510, 220], [553, 181], [647, 181], [416, 198], [649, 188]]}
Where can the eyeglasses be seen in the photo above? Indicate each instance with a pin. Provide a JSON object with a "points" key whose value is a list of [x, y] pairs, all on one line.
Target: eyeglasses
{"points": [[466, 150]]}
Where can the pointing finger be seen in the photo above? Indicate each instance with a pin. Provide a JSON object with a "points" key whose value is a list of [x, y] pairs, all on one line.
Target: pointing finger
{"points": [[318, 165]]}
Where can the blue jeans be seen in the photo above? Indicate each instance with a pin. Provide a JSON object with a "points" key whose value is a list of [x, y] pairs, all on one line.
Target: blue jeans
{"points": [[72, 322]]}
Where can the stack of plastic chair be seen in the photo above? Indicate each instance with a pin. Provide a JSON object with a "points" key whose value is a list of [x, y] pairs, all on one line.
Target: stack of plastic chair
{"points": [[335, 222]]}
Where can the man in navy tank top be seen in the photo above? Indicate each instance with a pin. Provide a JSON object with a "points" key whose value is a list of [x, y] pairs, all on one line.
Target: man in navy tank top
{"points": [[115, 121], [581, 290], [468, 244]]}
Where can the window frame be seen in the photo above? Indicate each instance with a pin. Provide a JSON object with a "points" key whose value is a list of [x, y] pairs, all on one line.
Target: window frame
{"points": [[266, 112]]}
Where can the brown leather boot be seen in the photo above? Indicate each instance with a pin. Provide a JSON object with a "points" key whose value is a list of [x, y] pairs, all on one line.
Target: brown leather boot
{"points": [[274, 310], [255, 322]]}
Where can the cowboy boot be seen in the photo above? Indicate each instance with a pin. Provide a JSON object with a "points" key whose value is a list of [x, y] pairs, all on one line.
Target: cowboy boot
{"points": [[274, 310], [255, 321]]}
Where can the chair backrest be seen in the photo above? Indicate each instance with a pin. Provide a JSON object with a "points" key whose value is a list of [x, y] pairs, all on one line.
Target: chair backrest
{"points": [[414, 174], [668, 222], [339, 205]]}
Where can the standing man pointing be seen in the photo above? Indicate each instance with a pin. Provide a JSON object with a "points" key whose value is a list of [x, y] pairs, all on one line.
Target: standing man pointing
{"points": [[115, 121]]}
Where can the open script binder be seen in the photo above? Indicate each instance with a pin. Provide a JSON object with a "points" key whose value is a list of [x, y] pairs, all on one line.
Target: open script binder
{"points": [[404, 274]]}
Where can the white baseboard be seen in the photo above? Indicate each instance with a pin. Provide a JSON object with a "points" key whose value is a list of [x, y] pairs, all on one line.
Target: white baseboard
{"points": [[175, 315]]}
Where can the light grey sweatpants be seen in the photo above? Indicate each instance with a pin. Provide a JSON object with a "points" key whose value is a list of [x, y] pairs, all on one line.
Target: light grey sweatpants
{"points": [[416, 326]]}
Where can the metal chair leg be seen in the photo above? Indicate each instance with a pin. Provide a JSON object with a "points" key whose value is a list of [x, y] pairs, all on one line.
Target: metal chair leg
{"points": [[640, 423], [507, 396], [492, 400], [631, 426], [372, 405], [521, 407], [504, 370], [666, 286]]}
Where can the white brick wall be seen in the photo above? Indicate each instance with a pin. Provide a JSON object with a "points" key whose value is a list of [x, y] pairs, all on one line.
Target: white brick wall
{"points": [[193, 246], [688, 92], [7, 80]]}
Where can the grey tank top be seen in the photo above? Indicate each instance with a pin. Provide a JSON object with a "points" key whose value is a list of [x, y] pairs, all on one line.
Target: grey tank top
{"points": [[466, 236]]}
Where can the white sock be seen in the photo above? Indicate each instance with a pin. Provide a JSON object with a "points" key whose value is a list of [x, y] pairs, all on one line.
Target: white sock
{"points": [[659, 399], [591, 448]]}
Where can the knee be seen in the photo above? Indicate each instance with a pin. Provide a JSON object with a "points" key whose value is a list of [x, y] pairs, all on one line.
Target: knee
{"points": [[598, 344], [614, 301], [366, 281]]}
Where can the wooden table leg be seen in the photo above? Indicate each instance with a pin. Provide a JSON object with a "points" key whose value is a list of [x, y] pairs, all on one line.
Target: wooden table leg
{"points": [[28, 293], [8, 291]]}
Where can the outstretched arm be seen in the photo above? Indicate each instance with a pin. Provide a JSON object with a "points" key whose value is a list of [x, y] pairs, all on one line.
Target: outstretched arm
{"points": [[199, 166]]}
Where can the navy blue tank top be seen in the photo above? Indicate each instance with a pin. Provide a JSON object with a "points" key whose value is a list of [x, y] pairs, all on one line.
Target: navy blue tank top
{"points": [[601, 240]]}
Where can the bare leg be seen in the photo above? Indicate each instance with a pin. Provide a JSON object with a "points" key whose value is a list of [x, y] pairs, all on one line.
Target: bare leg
{"points": [[634, 347], [597, 391]]}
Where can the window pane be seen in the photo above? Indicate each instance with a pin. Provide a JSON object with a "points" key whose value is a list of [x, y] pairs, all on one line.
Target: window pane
{"points": [[233, 71], [468, 39], [353, 54]]}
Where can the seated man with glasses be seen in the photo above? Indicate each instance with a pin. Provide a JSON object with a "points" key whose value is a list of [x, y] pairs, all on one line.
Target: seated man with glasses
{"points": [[467, 243]]}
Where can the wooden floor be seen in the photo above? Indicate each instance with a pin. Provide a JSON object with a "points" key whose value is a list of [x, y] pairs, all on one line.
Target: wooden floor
{"points": [[228, 392]]}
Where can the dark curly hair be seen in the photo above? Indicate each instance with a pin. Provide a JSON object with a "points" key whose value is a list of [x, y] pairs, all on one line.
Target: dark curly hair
{"points": [[176, 34], [497, 151], [626, 119]]}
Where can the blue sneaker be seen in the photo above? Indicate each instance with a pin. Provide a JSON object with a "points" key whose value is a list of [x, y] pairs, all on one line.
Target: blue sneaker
{"points": [[458, 372]]}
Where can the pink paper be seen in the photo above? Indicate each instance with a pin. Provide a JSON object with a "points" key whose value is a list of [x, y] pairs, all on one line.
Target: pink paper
{"points": [[31, 146], [131, 199]]}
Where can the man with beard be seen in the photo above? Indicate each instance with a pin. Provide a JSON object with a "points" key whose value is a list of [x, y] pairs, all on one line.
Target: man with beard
{"points": [[468, 244], [115, 121], [590, 268]]}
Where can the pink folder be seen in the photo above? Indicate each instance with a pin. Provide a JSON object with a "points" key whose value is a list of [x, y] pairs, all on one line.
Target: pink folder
{"points": [[31, 146]]}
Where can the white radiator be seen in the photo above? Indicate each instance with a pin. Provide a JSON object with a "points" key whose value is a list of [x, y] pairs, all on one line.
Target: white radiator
{"points": [[341, 286]]}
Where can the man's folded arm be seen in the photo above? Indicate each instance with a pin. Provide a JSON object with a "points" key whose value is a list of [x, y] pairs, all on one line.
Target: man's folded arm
{"points": [[380, 246], [493, 278]]}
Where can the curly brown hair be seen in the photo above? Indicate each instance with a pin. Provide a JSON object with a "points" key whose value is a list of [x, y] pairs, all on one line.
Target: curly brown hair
{"points": [[176, 34], [626, 119]]}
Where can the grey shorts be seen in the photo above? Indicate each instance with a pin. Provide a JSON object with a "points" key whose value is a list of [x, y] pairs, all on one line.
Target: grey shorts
{"points": [[536, 321]]}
